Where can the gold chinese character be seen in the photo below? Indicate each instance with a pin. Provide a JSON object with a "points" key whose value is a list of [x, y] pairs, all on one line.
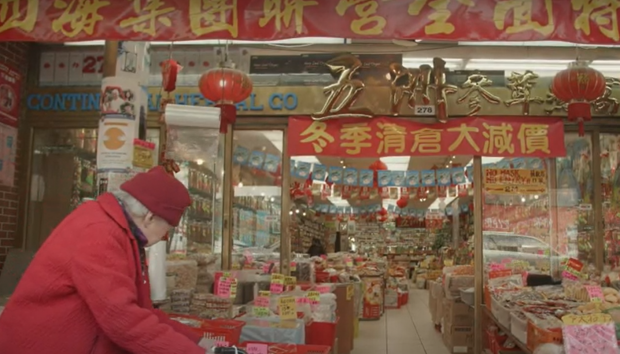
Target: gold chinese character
{"points": [[603, 12], [442, 89], [465, 133], [368, 22], [520, 86], [354, 137], [78, 16], [439, 16], [427, 141], [498, 137], [522, 16], [148, 15], [534, 137], [475, 84], [285, 11], [209, 16], [11, 15], [606, 103], [342, 95], [392, 137], [317, 135]]}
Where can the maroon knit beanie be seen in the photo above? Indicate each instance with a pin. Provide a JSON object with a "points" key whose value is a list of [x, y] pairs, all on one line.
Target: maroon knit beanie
{"points": [[161, 193]]}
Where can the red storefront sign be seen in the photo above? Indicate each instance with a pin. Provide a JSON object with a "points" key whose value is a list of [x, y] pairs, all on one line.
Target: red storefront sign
{"points": [[10, 94], [173, 20], [493, 136]]}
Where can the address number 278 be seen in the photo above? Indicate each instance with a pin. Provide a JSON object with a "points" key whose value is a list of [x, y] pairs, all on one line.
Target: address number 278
{"points": [[426, 110]]}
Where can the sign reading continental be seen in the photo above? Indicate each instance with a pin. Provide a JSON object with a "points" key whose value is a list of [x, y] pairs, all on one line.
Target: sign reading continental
{"points": [[515, 182]]}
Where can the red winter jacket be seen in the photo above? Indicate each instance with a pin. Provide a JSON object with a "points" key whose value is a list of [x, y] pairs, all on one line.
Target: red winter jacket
{"points": [[84, 293]]}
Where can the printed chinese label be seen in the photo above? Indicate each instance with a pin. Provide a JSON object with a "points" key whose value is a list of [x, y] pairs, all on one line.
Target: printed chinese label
{"points": [[287, 307]]}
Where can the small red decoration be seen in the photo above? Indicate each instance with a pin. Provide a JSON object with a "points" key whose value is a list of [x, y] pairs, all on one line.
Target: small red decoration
{"points": [[578, 86], [382, 212], [378, 165], [226, 87], [403, 202], [169, 72]]}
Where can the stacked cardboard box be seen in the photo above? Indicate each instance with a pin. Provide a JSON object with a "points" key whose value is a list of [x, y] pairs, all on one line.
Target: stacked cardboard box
{"points": [[458, 326]]}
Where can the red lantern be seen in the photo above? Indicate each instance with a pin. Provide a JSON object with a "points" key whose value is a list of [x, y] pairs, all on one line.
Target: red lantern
{"points": [[403, 202], [578, 86], [378, 165], [382, 212], [169, 71], [226, 87]]}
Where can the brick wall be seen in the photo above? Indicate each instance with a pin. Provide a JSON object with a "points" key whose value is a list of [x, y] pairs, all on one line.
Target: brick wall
{"points": [[16, 55]]}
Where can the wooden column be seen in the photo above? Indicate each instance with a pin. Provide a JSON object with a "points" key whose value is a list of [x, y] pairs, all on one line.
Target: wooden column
{"points": [[478, 253], [110, 53]]}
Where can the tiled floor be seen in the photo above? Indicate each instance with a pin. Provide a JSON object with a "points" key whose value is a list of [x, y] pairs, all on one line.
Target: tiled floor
{"points": [[408, 330]]}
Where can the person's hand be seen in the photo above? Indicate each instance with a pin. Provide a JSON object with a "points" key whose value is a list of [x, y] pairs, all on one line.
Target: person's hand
{"points": [[204, 343]]}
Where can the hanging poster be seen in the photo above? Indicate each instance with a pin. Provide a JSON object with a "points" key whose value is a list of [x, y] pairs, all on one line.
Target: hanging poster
{"points": [[515, 182], [10, 88], [531, 137], [115, 143]]}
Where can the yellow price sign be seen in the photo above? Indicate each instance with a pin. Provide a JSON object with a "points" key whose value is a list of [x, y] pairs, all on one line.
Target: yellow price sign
{"points": [[448, 262], [594, 318], [264, 293], [350, 292], [287, 307], [260, 311], [277, 278], [233, 288], [314, 297], [290, 281]]}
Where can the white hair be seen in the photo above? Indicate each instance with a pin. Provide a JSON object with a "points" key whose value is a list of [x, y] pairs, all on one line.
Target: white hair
{"points": [[132, 205]]}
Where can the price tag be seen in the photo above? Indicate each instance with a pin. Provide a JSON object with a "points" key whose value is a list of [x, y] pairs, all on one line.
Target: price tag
{"points": [[324, 289], [221, 343], [290, 281], [257, 348], [277, 283], [595, 318], [424, 110], [314, 297], [233, 288], [223, 287], [349, 292], [261, 301], [266, 268], [349, 262], [595, 293], [293, 266], [264, 293], [287, 307], [260, 311]]}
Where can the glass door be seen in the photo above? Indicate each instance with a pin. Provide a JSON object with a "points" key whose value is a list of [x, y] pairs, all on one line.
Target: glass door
{"points": [[62, 175]]}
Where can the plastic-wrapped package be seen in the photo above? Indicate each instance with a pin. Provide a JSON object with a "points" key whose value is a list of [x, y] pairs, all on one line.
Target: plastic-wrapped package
{"points": [[304, 269], [184, 271]]}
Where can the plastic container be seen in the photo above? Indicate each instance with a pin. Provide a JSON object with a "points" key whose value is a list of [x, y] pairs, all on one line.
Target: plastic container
{"points": [[501, 313], [219, 330], [281, 348], [321, 333], [468, 296], [537, 336], [518, 327]]}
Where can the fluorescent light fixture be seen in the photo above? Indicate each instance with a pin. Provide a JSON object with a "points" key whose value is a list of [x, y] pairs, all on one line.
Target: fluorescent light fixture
{"points": [[258, 191], [339, 202], [451, 63], [397, 163], [535, 44], [436, 203], [303, 40]]}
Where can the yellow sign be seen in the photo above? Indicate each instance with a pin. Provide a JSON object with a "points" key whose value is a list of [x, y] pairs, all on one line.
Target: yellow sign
{"points": [[515, 181], [264, 293], [290, 281], [277, 278], [350, 292], [260, 311], [287, 307], [314, 296], [595, 318]]}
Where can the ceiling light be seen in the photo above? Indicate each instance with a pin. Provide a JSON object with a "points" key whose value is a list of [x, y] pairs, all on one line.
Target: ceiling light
{"points": [[200, 162], [396, 163]]}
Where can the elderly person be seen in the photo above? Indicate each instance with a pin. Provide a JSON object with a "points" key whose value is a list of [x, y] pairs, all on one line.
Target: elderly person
{"points": [[87, 289]]}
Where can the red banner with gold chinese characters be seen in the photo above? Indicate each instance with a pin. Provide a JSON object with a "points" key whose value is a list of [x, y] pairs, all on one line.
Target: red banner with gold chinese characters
{"points": [[578, 21], [377, 137]]}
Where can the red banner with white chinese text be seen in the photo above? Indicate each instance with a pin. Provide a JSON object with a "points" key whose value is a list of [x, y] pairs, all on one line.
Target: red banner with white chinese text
{"points": [[174, 20], [377, 137]]}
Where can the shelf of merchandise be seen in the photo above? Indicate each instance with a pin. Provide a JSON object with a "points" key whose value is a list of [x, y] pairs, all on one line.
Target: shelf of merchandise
{"points": [[518, 343]]}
